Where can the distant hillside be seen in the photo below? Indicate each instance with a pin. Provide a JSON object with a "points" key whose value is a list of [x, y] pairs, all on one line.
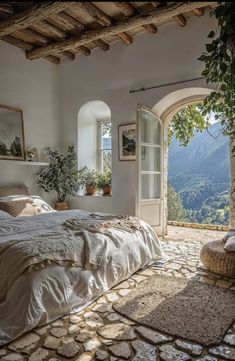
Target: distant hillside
{"points": [[200, 174]]}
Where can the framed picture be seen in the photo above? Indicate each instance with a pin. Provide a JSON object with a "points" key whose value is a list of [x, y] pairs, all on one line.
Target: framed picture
{"points": [[127, 141], [11, 133]]}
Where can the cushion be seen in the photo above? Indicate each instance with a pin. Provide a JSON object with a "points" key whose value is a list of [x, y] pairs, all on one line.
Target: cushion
{"points": [[4, 215], [230, 244], [23, 205], [10, 191]]}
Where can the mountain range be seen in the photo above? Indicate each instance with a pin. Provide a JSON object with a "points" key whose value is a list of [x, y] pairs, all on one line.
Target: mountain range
{"points": [[200, 173]]}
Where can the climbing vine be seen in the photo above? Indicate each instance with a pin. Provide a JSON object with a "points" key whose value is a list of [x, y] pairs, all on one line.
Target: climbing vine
{"points": [[219, 60]]}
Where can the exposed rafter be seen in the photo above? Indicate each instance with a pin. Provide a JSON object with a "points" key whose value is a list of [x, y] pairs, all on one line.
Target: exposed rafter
{"points": [[157, 15], [100, 17], [180, 19], [128, 9], [31, 16], [199, 12]]}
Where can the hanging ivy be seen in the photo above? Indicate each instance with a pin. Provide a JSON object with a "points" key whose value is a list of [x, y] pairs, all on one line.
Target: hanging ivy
{"points": [[219, 60]]}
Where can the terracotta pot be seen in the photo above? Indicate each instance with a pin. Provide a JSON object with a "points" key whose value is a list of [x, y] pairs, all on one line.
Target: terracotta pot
{"points": [[90, 190], [61, 206], [106, 191]]}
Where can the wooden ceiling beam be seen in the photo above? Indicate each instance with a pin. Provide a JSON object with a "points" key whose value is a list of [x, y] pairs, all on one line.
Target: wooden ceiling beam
{"points": [[31, 36], [31, 16], [151, 28], [98, 15], [180, 19], [27, 46], [68, 55], [17, 42], [199, 11], [128, 9], [6, 8], [157, 15], [48, 29], [101, 18], [99, 43], [53, 59]]}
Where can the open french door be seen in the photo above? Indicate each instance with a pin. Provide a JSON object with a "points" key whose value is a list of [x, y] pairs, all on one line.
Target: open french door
{"points": [[149, 205]]}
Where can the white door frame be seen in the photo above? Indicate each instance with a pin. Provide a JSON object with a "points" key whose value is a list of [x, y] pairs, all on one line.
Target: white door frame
{"points": [[159, 228]]}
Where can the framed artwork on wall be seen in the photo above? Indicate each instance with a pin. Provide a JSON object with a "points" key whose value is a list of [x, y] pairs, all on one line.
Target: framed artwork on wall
{"points": [[11, 133], [127, 141]]}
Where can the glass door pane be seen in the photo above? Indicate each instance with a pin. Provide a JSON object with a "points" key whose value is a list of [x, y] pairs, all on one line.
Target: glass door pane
{"points": [[150, 159], [150, 128], [150, 186]]}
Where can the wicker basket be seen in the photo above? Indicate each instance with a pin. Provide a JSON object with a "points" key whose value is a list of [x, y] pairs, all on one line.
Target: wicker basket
{"points": [[217, 260]]}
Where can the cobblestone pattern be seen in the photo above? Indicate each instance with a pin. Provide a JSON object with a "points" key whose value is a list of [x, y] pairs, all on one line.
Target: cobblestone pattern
{"points": [[99, 333]]}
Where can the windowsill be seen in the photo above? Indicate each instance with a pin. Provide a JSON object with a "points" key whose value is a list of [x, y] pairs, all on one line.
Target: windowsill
{"points": [[94, 195]]}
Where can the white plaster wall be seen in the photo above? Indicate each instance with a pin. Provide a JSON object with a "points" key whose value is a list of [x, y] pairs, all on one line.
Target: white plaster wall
{"points": [[32, 87], [168, 56]]}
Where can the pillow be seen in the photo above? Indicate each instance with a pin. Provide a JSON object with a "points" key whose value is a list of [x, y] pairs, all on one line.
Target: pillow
{"points": [[4, 215], [10, 191], [23, 205], [230, 244]]}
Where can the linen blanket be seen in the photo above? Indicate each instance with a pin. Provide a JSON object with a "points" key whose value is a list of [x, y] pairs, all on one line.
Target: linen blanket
{"points": [[79, 243]]}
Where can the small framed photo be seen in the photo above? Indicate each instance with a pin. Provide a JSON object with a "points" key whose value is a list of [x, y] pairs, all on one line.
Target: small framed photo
{"points": [[11, 133], [127, 141]]}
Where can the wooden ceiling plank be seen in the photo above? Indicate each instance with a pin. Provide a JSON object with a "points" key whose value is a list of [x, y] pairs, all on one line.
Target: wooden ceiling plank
{"points": [[155, 3], [160, 14], [31, 36], [97, 14], [128, 9], [199, 11], [180, 19], [100, 17], [48, 29], [31, 16], [17, 42], [6, 8], [103, 45]]}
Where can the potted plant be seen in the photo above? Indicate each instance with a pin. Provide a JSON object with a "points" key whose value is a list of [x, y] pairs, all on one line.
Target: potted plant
{"points": [[61, 176], [88, 177], [105, 183]]}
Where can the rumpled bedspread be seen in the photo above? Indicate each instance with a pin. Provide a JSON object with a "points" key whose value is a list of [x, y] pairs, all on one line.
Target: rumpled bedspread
{"points": [[78, 243]]}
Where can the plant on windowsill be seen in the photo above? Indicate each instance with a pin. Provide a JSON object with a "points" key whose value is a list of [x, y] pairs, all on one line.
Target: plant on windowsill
{"points": [[88, 177], [104, 183], [61, 176]]}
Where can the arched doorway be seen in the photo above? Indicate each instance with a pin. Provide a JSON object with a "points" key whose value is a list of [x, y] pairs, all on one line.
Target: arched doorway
{"points": [[165, 109]]}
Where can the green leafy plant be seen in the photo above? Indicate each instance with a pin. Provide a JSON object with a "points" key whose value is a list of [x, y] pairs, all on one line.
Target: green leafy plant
{"points": [[104, 180], [219, 60], [61, 175], [185, 122], [88, 177]]}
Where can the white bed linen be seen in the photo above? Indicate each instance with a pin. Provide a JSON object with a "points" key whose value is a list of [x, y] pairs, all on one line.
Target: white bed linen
{"points": [[42, 296]]}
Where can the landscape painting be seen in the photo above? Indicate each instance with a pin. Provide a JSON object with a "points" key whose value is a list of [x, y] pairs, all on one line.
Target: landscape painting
{"points": [[11, 133], [127, 142]]}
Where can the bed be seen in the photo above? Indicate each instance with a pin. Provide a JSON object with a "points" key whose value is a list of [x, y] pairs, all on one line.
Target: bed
{"points": [[57, 263]]}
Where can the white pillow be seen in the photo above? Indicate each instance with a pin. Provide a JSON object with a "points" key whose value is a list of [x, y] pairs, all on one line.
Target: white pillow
{"points": [[230, 244], [24, 205], [4, 215]]}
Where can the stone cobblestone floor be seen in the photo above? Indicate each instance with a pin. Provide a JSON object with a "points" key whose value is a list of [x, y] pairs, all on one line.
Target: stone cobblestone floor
{"points": [[99, 333]]}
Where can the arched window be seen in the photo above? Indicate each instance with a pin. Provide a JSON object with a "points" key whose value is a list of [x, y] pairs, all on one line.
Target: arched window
{"points": [[94, 136]]}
